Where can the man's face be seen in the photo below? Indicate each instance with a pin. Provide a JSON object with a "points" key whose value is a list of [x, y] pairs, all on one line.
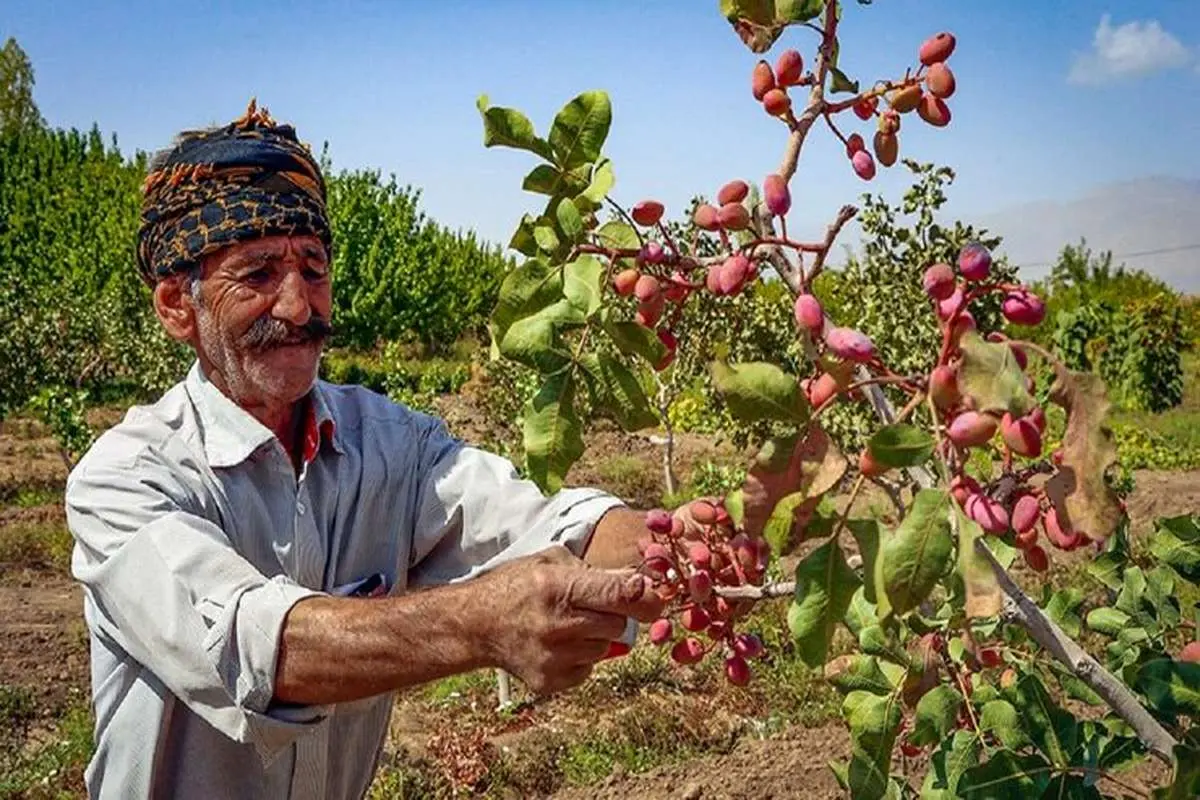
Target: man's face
{"points": [[263, 317]]}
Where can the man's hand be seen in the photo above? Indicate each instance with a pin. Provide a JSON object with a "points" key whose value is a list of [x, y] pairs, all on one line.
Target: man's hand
{"points": [[548, 618]]}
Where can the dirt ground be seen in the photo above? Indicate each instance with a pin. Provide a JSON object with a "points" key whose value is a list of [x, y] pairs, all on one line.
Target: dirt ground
{"points": [[43, 645], [790, 765], [1162, 494]]}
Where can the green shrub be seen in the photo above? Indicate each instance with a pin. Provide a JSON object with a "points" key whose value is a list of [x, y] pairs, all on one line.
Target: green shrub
{"points": [[711, 479], [1125, 324], [426, 376], [1137, 349], [692, 412], [393, 372], [64, 412], [1139, 448], [73, 311], [355, 369]]}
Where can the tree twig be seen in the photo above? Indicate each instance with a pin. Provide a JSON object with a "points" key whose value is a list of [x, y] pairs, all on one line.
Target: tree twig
{"points": [[845, 214], [893, 493], [751, 592], [841, 523]]}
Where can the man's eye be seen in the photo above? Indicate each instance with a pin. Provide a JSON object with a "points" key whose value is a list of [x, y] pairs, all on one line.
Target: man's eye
{"points": [[314, 274], [257, 277]]}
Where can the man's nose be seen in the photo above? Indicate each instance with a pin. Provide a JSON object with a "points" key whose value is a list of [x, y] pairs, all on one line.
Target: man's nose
{"points": [[292, 304]]}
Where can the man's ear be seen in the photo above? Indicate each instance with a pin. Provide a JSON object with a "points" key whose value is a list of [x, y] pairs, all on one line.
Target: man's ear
{"points": [[175, 308]]}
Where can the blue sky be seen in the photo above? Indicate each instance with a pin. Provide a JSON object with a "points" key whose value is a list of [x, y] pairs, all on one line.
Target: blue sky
{"points": [[1053, 98]]}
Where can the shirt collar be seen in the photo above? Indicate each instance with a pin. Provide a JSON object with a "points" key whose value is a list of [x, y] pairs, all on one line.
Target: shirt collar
{"points": [[231, 434]]}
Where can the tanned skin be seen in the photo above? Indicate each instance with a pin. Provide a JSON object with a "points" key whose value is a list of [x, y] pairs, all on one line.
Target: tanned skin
{"points": [[546, 618]]}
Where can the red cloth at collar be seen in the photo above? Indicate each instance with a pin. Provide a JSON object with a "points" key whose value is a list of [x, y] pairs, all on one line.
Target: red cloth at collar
{"points": [[313, 435]]}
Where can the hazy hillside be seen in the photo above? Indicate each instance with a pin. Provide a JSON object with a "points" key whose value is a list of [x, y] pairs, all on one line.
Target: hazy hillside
{"points": [[1130, 217]]}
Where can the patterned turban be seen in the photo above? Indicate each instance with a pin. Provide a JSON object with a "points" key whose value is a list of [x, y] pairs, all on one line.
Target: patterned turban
{"points": [[248, 179]]}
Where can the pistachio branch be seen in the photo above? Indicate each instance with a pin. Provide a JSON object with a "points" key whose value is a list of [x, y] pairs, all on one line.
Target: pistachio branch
{"points": [[816, 96], [625, 215], [1019, 608], [879, 89]]}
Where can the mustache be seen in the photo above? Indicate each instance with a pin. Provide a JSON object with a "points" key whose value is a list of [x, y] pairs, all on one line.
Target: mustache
{"points": [[267, 333]]}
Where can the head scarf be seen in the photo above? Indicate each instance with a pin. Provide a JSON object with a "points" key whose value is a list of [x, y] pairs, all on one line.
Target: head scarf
{"points": [[245, 180]]}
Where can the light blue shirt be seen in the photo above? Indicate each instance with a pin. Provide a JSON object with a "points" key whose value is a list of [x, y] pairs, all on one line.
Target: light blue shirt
{"points": [[194, 536]]}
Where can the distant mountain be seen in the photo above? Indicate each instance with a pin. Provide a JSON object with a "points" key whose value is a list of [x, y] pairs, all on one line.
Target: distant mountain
{"points": [[1132, 217]]}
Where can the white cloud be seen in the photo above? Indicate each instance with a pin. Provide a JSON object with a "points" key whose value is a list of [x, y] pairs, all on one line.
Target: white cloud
{"points": [[1135, 49]]}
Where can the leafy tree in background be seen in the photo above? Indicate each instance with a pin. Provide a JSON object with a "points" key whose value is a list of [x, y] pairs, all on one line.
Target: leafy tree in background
{"points": [[1079, 276], [18, 112], [399, 274], [1123, 323], [73, 312]]}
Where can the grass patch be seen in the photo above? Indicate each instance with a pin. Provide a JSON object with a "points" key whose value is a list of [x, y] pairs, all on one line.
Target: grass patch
{"points": [[36, 544], [401, 777], [17, 710], [632, 479], [649, 743], [462, 688], [1167, 440], [37, 495], [24, 426], [786, 691], [31, 493], [53, 769], [635, 714], [645, 668], [1180, 426], [637, 739]]}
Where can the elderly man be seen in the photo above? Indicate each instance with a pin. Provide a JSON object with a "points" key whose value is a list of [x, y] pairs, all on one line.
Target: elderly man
{"points": [[248, 543]]}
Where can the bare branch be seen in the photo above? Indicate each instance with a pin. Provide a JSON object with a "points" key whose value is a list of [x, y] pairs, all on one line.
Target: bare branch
{"points": [[628, 219], [792, 274]]}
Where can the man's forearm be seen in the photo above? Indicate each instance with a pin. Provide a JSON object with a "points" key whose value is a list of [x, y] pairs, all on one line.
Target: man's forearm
{"points": [[545, 618], [614, 542], [336, 650]]}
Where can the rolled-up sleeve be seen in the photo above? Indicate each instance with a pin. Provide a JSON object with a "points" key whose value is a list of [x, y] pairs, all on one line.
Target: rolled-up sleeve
{"points": [[475, 512], [170, 590]]}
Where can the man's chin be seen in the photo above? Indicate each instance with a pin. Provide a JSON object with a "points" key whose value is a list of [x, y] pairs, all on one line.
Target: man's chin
{"points": [[293, 368]]}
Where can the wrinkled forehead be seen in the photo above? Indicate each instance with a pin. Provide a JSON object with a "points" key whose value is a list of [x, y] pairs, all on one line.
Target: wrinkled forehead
{"points": [[269, 249]]}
